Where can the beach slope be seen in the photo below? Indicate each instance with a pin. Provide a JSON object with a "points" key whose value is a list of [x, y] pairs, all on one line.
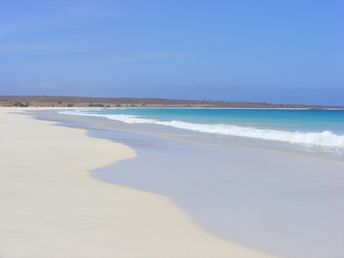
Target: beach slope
{"points": [[50, 206]]}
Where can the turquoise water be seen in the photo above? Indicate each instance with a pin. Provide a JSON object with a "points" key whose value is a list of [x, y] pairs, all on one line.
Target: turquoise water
{"points": [[303, 120], [307, 127]]}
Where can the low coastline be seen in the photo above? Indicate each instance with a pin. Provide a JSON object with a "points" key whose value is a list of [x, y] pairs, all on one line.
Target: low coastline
{"points": [[304, 213], [92, 102], [51, 207]]}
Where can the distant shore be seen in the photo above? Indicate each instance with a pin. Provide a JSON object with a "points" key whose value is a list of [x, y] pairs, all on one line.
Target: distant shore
{"points": [[92, 102]]}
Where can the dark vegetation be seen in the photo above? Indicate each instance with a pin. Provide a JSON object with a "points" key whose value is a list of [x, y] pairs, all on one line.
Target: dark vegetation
{"points": [[69, 101]]}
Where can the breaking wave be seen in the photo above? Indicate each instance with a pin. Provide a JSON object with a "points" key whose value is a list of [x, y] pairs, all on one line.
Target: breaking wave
{"points": [[323, 139]]}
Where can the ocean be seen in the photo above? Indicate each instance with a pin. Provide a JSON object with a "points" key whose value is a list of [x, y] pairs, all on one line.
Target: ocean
{"points": [[321, 129]]}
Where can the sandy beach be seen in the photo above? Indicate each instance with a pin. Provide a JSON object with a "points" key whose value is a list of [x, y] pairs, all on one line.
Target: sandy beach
{"points": [[50, 206]]}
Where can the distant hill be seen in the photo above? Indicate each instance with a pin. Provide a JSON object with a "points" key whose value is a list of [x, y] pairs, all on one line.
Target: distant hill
{"points": [[70, 101]]}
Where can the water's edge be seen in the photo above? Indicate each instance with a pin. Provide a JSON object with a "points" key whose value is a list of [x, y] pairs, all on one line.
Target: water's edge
{"points": [[236, 207], [324, 139]]}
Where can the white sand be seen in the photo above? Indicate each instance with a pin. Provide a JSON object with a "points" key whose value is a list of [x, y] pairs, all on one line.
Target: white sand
{"points": [[51, 207]]}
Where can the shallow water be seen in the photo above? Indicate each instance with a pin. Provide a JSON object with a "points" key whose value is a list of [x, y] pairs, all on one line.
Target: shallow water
{"points": [[321, 128], [267, 196]]}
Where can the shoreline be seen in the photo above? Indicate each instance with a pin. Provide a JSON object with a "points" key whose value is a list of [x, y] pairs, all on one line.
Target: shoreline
{"points": [[317, 140], [168, 107], [75, 101], [52, 207], [208, 178]]}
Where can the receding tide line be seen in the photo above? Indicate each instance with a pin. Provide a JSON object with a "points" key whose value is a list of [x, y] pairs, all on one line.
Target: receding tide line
{"points": [[322, 139]]}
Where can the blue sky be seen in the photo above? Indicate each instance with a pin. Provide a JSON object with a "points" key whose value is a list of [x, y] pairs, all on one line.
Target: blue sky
{"points": [[266, 51]]}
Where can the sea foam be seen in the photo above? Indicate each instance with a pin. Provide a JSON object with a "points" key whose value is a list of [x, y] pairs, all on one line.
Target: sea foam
{"points": [[322, 139]]}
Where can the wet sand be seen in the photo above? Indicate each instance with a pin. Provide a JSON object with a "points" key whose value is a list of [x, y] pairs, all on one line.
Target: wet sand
{"points": [[271, 197]]}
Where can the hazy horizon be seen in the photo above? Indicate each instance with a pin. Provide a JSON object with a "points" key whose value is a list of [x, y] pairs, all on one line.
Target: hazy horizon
{"points": [[267, 51], [177, 99]]}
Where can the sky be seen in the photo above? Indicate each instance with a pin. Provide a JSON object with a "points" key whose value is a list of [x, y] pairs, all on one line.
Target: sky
{"points": [[286, 51]]}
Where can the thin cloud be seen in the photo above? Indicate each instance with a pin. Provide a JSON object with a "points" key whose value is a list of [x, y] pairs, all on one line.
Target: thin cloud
{"points": [[25, 47], [64, 13], [92, 10], [143, 57], [29, 85], [37, 85], [5, 30]]}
